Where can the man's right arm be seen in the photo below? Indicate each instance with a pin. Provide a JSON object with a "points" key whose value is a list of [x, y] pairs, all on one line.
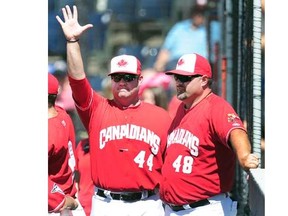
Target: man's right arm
{"points": [[242, 147], [75, 67]]}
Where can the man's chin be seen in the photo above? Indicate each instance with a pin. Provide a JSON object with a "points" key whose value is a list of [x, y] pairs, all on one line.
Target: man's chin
{"points": [[182, 96], [123, 94]]}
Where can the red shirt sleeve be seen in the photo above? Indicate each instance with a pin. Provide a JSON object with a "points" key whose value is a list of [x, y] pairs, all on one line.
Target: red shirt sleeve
{"points": [[81, 92], [84, 96]]}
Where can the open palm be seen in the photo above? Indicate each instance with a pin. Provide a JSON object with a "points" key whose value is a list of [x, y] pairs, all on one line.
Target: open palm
{"points": [[71, 27]]}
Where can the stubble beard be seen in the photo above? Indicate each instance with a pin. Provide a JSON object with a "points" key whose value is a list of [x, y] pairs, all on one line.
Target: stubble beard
{"points": [[182, 96]]}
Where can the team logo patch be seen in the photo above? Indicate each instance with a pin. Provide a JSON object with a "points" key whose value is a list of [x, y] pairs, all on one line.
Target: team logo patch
{"points": [[122, 63], [180, 62], [232, 117], [56, 189], [63, 123]]}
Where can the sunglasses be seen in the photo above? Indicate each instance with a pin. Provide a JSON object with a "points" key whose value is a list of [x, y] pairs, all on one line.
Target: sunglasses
{"points": [[184, 79], [126, 77]]}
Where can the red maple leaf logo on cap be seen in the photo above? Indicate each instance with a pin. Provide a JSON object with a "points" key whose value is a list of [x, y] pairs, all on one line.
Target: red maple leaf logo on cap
{"points": [[122, 63], [180, 62]]}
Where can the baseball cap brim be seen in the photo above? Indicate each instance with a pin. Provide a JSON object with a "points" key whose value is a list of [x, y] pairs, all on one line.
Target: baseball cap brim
{"points": [[122, 72], [182, 72]]}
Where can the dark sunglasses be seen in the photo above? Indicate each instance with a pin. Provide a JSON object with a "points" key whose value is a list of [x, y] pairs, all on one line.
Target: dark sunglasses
{"points": [[126, 77], [183, 79]]}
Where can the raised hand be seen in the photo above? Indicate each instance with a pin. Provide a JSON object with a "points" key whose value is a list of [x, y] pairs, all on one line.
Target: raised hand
{"points": [[71, 27]]}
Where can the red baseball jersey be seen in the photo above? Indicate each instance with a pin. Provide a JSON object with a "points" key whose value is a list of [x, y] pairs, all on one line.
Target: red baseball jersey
{"points": [[85, 185], [61, 148], [126, 144], [199, 163]]}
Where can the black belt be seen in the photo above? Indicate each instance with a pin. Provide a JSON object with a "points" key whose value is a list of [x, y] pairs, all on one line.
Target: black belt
{"points": [[191, 205], [126, 196]]}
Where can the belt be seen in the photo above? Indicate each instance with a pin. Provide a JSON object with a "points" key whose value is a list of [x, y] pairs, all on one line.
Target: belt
{"points": [[125, 196], [191, 205]]}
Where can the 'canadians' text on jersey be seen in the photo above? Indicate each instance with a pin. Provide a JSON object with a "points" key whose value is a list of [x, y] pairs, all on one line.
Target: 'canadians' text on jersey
{"points": [[129, 131], [186, 138]]}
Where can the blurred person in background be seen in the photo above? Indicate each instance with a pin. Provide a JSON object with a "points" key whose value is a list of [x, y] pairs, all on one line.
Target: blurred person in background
{"points": [[106, 90], [155, 88], [155, 95], [186, 36], [64, 98]]}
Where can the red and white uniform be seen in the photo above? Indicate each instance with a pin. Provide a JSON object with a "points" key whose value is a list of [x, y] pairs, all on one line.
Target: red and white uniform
{"points": [[85, 185], [124, 145], [61, 160], [199, 163]]}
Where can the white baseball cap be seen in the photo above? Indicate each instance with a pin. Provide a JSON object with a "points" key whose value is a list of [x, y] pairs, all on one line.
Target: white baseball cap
{"points": [[192, 64], [125, 64]]}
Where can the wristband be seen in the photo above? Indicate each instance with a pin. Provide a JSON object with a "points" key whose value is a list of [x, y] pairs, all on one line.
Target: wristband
{"points": [[68, 41]]}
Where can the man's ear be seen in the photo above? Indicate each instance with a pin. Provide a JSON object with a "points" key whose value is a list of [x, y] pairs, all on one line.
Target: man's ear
{"points": [[140, 79], [205, 81]]}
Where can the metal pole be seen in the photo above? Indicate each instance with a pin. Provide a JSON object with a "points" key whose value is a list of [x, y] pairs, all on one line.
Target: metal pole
{"points": [[257, 77], [229, 52]]}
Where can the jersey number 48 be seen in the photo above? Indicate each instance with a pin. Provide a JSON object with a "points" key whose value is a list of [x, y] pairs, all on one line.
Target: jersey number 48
{"points": [[186, 164]]}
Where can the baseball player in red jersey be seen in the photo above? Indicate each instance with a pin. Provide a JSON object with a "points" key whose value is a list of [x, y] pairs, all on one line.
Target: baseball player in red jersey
{"points": [[127, 136], [85, 183], [60, 143], [61, 160], [206, 137]]}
